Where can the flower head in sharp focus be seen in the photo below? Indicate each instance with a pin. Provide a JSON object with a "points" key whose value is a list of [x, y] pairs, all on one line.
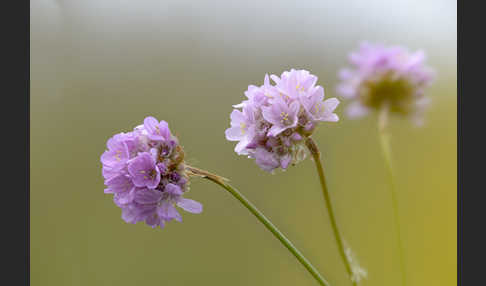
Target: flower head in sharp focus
{"points": [[144, 170], [386, 77], [273, 122]]}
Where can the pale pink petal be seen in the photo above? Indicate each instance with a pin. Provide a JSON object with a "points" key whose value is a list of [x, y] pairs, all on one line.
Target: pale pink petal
{"points": [[190, 205]]}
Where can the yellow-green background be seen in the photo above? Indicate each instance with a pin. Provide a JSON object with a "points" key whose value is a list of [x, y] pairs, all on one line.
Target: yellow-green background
{"points": [[99, 67]]}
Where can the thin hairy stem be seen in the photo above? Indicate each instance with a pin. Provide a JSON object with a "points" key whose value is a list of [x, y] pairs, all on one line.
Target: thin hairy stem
{"points": [[384, 137], [269, 225], [316, 154]]}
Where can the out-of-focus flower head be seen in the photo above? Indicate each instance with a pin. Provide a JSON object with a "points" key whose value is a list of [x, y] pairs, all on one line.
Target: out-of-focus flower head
{"points": [[144, 170], [385, 77], [272, 123]]}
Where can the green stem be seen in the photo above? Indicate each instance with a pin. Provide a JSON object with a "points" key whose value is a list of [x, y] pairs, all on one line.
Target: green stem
{"points": [[272, 228], [316, 154], [384, 137]]}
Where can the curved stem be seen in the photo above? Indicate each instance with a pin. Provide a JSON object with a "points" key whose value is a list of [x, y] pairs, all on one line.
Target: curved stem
{"points": [[386, 149], [268, 224], [316, 154]]}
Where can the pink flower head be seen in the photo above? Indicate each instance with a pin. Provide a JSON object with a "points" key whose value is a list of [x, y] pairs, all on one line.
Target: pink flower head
{"points": [[144, 170], [385, 77], [275, 119]]}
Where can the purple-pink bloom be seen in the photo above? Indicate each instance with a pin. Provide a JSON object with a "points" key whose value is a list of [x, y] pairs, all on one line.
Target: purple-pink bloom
{"points": [[281, 114], [319, 109], [157, 207], [274, 120], [267, 160], [144, 170], [123, 198], [242, 128], [118, 184], [388, 77], [158, 131], [167, 210], [295, 83], [117, 153]]}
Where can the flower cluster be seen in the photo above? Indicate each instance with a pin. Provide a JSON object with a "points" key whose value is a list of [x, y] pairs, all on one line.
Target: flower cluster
{"points": [[275, 119], [145, 171], [385, 77]]}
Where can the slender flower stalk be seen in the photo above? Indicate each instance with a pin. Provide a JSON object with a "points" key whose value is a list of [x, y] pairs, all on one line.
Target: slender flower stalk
{"points": [[259, 215], [384, 137], [316, 154]]}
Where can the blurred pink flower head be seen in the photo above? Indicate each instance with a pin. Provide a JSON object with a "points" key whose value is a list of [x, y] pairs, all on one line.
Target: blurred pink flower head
{"points": [[385, 77]]}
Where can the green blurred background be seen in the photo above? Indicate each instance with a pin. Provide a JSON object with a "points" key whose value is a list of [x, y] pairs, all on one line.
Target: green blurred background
{"points": [[99, 67]]}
